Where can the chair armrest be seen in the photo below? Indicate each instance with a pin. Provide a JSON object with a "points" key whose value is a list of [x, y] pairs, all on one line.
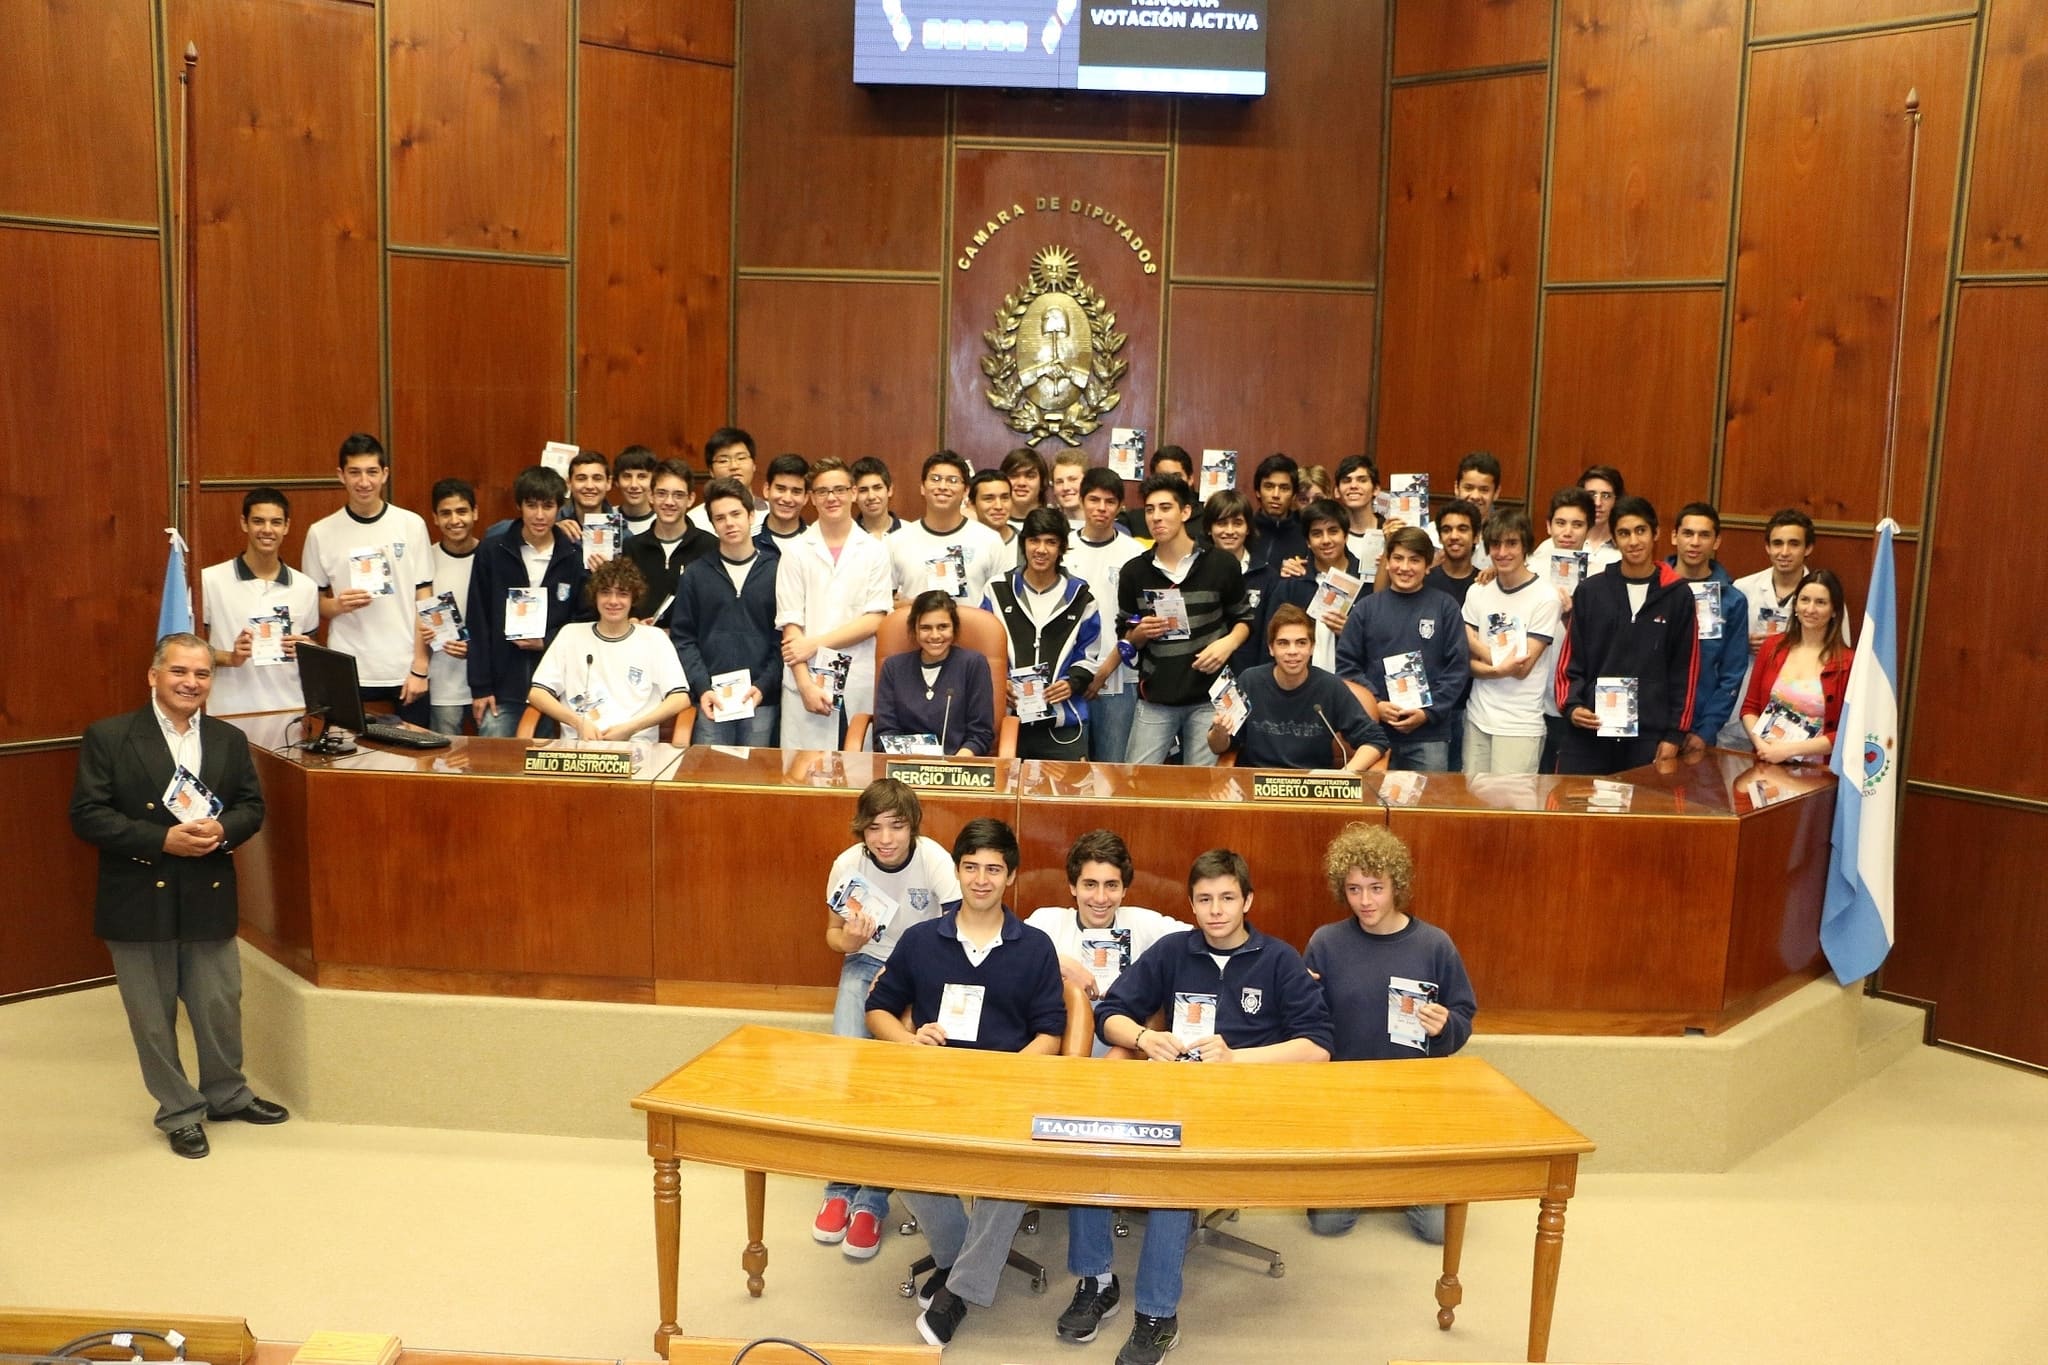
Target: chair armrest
{"points": [[857, 733], [529, 721], [685, 725], [1006, 737], [1079, 1038]]}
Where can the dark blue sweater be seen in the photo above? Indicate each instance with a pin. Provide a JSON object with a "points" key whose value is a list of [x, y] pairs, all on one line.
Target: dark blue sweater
{"points": [[1263, 994], [1021, 996], [717, 630], [1384, 624], [498, 667]]}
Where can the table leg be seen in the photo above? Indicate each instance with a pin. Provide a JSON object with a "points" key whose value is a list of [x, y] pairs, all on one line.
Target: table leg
{"points": [[754, 1259], [1543, 1283], [668, 1227], [1449, 1293]]}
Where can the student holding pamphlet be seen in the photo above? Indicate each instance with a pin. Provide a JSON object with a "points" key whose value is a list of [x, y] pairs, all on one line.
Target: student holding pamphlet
{"points": [[1228, 515], [1795, 695], [973, 979], [944, 550], [256, 610], [890, 879], [1056, 643], [523, 588], [669, 545], [1564, 562], [442, 619], [1511, 625], [370, 562], [1334, 583], [1626, 679], [1788, 541], [1228, 994], [1406, 648], [936, 700], [1295, 710], [1098, 936], [1183, 611], [1098, 553], [590, 485], [831, 593], [723, 627], [1358, 485], [1396, 986], [611, 679], [1723, 616], [1458, 565]]}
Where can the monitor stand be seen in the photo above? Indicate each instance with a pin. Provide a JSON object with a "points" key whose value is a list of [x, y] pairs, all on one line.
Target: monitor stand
{"points": [[332, 743]]}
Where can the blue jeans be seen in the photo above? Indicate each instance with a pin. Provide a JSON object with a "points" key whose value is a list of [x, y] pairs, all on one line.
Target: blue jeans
{"points": [[1089, 1252], [1419, 756], [448, 719], [1426, 1220], [1154, 727], [504, 724], [755, 732], [850, 1020], [1109, 724]]}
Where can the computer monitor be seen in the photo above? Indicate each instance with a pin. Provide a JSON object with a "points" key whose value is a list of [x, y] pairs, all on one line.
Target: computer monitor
{"points": [[327, 680]]}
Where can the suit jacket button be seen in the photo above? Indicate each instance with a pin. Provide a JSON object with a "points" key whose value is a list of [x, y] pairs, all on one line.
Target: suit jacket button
{"points": [[149, 805], [216, 886], [159, 886]]}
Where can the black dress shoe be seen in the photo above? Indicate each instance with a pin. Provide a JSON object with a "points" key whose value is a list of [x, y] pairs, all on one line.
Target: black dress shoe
{"points": [[189, 1141], [255, 1111]]}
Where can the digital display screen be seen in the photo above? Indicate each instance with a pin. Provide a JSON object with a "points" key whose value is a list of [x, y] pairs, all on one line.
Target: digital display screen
{"points": [[1181, 47]]}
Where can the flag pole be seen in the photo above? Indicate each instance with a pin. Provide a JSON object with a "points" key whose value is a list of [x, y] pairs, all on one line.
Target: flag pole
{"points": [[186, 513], [1891, 409]]}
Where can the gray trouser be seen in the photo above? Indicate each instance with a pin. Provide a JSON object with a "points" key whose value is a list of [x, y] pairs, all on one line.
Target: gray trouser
{"points": [[207, 976], [971, 1249]]}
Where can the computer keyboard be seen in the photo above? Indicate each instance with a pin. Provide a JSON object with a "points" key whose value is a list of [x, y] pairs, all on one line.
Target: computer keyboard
{"points": [[403, 737]]}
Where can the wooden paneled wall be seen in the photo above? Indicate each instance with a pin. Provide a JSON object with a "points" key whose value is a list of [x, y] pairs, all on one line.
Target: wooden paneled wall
{"points": [[1241, 269], [1720, 212], [464, 225]]}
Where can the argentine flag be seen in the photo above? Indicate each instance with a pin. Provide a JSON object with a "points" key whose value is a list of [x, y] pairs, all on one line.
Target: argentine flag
{"points": [[174, 613], [1856, 914]]}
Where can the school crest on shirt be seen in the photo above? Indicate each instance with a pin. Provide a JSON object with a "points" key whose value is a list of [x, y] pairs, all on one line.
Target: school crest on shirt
{"points": [[1250, 998], [634, 675], [1252, 596], [920, 899], [1427, 627]]}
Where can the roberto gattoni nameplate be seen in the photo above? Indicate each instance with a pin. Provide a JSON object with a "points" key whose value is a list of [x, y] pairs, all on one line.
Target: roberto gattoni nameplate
{"points": [[581, 762], [1124, 1132], [1307, 787], [942, 774]]}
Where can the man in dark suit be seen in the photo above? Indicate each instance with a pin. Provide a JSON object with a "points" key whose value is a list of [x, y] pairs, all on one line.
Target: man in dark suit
{"points": [[166, 903]]}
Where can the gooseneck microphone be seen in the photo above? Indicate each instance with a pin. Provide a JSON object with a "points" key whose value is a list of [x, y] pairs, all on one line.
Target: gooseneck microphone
{"points": [[1342, 747]]}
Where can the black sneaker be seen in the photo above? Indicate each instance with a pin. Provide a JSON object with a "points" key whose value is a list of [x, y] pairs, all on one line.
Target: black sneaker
{"points": [[1090, 1306], [931, 1287], [1150, 1340], [937, 1323]]}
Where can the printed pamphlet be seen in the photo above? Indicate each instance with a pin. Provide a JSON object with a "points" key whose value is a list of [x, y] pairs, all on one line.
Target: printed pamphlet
{"points": [[1219, 471], [370, 570], [1030, 682], [1232, 709], [1614, 706], [727, 699], [444, 619], [1405, 999], [1127, 453], [1407, 681], [526, 614]]}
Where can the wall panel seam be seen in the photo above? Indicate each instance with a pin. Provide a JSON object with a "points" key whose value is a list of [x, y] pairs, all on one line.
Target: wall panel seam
{"points": [[1474, 73], [1377, 360], [91, 227], [479, 253], [993, 143], [1718, 451], [167, 252], [1702, 284], [1979, 795], [732, 236], [836, 274], [1979, 279], [571, 194], [1945, 19], [1284, 286], [691, 58]]}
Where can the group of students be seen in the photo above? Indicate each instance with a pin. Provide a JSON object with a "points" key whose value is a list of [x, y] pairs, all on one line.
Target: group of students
{"points": [[1335, 634], [934, 955]]}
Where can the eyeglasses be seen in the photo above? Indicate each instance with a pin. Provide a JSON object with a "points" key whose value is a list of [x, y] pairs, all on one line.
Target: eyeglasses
{"points": [[838, 491], [945, 480]]}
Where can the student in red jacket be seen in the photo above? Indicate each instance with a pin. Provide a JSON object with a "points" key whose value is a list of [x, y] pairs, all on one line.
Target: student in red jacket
{"points": [[1795, 691]]}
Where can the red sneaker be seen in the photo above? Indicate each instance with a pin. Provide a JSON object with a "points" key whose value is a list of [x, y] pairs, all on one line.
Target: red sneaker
{"points": [[863, 1237], [829, 1226]]}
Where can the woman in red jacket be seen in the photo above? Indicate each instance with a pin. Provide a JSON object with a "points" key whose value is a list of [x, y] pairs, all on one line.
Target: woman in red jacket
{"points": [[1795, 691]]}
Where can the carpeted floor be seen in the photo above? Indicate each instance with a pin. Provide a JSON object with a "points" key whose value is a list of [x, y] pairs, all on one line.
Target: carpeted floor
{"points": [[1908, 1222]]}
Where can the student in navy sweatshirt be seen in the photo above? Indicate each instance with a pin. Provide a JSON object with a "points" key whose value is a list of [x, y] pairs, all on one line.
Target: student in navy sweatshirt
{"points": [[724, 621], [1409, 618], [1637, 623], [1396, 986], [1257, 1003]]}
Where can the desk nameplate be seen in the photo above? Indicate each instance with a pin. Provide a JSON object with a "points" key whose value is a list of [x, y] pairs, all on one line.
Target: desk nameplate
{"points": [[940, 774], [580, 762], [1124, 1132], [1282, 786]]}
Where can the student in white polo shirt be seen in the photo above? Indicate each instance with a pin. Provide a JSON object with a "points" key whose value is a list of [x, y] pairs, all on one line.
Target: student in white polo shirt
{"points": [[611, 678], [944, 532], [373, 566], [253, 592], [448, 691]]}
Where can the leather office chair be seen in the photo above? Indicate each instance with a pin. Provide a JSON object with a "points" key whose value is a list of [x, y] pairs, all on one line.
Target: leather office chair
{"points": [[678, 733], [981, 632], [1076, 1040]]}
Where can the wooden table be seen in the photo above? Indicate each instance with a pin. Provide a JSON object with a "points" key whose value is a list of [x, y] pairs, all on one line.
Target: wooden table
{"points": [[1338, 1135]]}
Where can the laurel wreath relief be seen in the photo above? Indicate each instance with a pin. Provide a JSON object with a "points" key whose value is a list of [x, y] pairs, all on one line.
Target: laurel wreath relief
{"points": [[1054, 268]]}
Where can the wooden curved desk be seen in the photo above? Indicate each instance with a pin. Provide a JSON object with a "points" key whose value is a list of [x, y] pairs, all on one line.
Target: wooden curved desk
{"points": [[1354, 1134]]}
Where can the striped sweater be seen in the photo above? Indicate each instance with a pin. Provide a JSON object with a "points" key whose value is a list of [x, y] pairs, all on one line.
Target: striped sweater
{"points": [[1213, 589]]}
